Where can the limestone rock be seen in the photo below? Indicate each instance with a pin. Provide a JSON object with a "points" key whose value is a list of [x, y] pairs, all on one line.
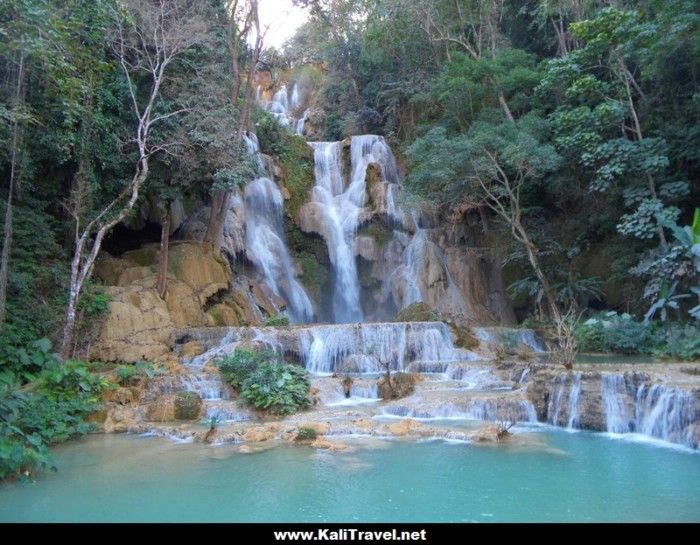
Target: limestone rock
{"points": [[161, 410], [191, 349], [407, 426]]}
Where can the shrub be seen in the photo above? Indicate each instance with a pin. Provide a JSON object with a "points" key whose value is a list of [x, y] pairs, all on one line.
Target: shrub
{"points": [[680, 342], [187, 405], [239, 365], [400, 385], [278, 388], [612, 332], [277, 321], [53, 409], [306, 433], [127, 373]]}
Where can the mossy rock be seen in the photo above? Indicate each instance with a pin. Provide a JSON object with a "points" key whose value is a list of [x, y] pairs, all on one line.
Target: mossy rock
{"points": [[188, 405], [464, 337], [144, 257], [378, 231], [297, 160], [417, 312]]}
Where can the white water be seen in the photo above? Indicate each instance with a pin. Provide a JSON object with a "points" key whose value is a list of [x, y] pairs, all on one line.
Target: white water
{"points": [[666, 413], [613, 393], [563, 406], [339, 212], [267, 249]]}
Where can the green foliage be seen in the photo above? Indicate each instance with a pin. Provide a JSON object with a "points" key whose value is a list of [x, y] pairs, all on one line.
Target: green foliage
{"points": [[612, 332], [681, 342], [142, 369], [306, 433], [279, 320], [51, 409], [241, 363], [278, 388]]}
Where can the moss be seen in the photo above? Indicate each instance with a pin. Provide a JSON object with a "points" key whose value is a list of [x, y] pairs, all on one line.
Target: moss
{"points": [[464, 337], [144, 257], [297, 159], [311, 253], [417, 312], [306, 433], [187, 405], [378, 231]]}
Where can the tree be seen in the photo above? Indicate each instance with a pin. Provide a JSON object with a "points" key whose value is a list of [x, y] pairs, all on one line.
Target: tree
{"points": [[237, 31], [149, 37]]}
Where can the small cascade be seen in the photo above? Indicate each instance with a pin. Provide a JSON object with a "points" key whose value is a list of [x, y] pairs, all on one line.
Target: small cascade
{"points": [[667, 413], [613, 391], [267, 248], [488, 409], [563, 405], [209, 386], [286, 105], [343, 348], [574, 409]]}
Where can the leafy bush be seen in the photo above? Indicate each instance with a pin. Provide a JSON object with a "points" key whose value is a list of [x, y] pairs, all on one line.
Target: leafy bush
{"points": [[612, 332], [126, 373], [277, 321], [306, 433], [239, 365], [51, 409], [278, 388], [681, 342]]}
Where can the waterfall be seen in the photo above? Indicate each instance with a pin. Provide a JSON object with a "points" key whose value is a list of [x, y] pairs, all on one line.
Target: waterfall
{"points": [[267, 249], [346, 348], [339, 212], [613, 391], [574, 409], [667, 413], [563, 406]]}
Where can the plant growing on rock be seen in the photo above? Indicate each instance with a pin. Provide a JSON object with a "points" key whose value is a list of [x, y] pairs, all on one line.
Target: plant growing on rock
{"points": [[278, 388], [306, 433], [241, 363], [279, 320], [188, 405]]}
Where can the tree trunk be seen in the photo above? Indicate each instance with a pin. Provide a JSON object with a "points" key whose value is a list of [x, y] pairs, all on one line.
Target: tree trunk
{"points": [[162, 282], [7, 242], [217, 219]]}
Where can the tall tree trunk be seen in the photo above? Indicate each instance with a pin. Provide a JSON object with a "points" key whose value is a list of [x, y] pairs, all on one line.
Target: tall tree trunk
{"points": [[7, 241], [162, 282]]}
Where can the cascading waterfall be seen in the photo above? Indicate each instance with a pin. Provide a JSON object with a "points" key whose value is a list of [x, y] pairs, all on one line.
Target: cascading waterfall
{"points": [[339, 209], [667, 413], [267, 249], [613, 391], [574, 409], [563, 406]]}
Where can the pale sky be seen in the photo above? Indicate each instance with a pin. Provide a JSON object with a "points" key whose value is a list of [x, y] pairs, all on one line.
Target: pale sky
{"points": [[283, 19]]}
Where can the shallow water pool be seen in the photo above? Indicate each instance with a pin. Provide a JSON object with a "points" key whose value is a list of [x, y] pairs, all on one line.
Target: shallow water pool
{"points": [[569, 477]]}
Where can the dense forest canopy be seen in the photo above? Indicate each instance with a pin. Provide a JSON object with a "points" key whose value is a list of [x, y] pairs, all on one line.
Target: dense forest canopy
{"points": [[568, 131]]}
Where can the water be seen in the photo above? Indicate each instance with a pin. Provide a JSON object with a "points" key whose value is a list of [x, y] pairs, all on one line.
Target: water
{"points": [[266, 247], [137, 479], [339, 209]]}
